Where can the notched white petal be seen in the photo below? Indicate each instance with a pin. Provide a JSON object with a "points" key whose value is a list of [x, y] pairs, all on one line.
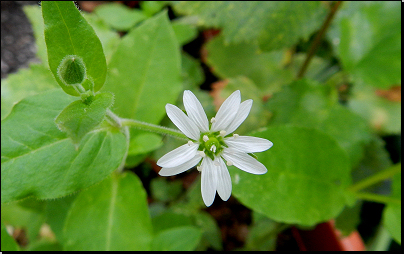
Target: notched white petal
{"points": [[182, 121], [224, 181], [208, 181], [227, 111], [181, 168], [248, 144], [178, 156], [195, 111], [241, 115], [244, 161]]}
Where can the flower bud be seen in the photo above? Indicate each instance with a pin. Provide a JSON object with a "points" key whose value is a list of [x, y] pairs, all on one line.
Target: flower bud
{"points": [[72, 70]]}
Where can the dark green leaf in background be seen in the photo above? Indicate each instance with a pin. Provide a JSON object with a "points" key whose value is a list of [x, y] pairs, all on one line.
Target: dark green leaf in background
{"points": [[184, 238], [119, 16], [68, 33], [37, 159], [306, 179], [272, 25], [112, 215], [7, 242], [392, 213]]}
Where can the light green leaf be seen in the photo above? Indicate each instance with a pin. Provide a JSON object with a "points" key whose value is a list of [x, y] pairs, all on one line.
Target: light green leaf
{"points": [[392, 213], [80, 117], [367, 38], [184, 238], [7, 242], [112, 215], [382, 114], [144, 143], [169, 220], [145, 71], [311, 104], [68, 33], [119, 16], [37, 159], [37, 78], [306, 179], [272, 25], [245, 59], [184, 32]]}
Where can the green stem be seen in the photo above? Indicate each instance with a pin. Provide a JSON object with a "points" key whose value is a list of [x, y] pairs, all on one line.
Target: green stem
{"points": [[377, 198], [127, 135], [380, 176], [154, 128]]}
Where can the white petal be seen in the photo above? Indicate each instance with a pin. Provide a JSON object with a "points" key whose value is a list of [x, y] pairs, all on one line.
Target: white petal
{"points": [[227, 111], [195, 111], [178, 156], [223, 181], [244, 161], [181, 168], [248, 144], [181, 120], [208, 181], [241, 115]]}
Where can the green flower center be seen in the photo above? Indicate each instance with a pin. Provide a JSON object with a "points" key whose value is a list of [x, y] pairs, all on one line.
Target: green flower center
{"points": [[212, 144]]}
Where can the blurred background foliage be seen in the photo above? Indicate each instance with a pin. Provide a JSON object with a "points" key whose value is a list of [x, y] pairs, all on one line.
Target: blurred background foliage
{"points": [[329, 128]]}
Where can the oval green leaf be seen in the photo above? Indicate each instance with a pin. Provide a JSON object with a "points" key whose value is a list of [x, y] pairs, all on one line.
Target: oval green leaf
{"points": [[306, 179], [184, 238], [68, 33], [112, 215], [39, 160]]}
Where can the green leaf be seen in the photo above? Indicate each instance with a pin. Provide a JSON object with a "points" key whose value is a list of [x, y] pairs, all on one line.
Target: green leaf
{"points": [[392, 213], [184, 32], [7, 242], [80, 117], [272, 25], [184, 238], [311, 104], [169, 220], [144, 72], [112, 215], [37, 78], [34, 14], [163, 190], [245, 59], [211, 234], [306, 179], [37, 159], [68, 33], [119, 16], [367, 38]]}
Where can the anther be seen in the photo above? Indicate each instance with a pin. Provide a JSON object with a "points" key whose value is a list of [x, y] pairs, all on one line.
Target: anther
{"points": [[205, 138], [212, 120], [190, 143], [222, 133], [229, 163], [235, 135], [202, 153], [199, 168]]}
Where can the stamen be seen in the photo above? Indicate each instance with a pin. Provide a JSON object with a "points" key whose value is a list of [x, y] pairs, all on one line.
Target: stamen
{"points": [[199, 168], [205, 138], [213, 148], [190, 143], [223, 133], [212, 120], [235, 135], [202, 153], [229, 163]]}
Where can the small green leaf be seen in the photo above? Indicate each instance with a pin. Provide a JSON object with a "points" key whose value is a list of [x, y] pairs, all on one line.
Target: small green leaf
{"points": [[80, 117], [112, 215], [39, 160], [392, 213], [306, 179], [145, 71], [184, 238], [68, 33], [119, 16]]}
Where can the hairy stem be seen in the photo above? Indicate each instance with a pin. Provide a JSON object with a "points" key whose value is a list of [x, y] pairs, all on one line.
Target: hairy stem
{"points": [[317, 40], [377, 198]]}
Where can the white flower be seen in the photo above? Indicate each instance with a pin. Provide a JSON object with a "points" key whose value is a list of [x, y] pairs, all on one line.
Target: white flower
{"points": [[211, 143]]}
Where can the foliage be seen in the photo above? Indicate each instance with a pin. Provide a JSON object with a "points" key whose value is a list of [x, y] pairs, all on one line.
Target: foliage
{"points": [[71, 163]]}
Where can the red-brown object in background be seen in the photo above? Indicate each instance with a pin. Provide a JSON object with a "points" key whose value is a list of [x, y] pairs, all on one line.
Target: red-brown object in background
{"points": [[325, 237]]}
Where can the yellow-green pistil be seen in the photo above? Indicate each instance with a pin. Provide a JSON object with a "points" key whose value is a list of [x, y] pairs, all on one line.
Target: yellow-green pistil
{"points": [[212, 144]]}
